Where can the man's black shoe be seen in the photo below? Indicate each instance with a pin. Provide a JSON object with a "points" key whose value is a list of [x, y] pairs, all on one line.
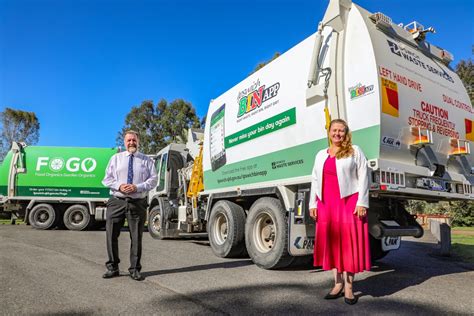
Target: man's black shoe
{"points": [[111, 273], [136, 276]]}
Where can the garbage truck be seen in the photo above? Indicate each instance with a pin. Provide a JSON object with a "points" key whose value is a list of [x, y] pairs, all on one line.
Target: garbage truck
{"points": [[55, 186], [245, 179]]}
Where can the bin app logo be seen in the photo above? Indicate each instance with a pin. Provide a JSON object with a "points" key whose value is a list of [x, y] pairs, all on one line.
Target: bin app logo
{"points": [[469, 131], [73, 164], [360, 90], [249, 101], [390, 98]]}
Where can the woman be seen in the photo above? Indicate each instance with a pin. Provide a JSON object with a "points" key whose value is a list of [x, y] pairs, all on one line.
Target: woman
{"points": [[339, 203]]}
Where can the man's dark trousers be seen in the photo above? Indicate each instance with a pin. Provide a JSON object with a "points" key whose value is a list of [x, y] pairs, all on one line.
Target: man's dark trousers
{"points": [[135, 211]]}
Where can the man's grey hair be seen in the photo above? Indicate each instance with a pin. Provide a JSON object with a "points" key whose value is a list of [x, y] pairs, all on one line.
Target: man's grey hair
{"points": [[131, 132]]}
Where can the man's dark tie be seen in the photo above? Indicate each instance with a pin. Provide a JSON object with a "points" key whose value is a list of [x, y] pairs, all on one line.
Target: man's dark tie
{"points": [[130, 170]]}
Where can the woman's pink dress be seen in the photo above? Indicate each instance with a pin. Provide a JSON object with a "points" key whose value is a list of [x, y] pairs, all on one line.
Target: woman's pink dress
{"points": [[342, 238]]}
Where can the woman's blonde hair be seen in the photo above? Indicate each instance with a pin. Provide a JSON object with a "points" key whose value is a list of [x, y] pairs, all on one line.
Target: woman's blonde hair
{"points": [[346, 145]]}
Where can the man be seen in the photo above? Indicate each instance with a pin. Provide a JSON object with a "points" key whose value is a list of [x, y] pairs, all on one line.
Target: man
{"points": [[129, 175]]}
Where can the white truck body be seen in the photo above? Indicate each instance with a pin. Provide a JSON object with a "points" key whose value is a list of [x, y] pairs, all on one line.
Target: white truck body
{"points": [[407, 110], [275, 142]]}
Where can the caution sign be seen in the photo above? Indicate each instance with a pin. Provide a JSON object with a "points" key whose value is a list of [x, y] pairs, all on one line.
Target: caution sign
{"points": [[469, 131], [389, 98]]}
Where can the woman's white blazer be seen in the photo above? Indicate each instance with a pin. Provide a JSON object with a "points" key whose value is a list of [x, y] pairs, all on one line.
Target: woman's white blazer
{"points": [[352, 175]]}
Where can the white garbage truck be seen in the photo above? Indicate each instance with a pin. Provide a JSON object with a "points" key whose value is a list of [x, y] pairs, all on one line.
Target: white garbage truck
{"points": [[245, 179]]}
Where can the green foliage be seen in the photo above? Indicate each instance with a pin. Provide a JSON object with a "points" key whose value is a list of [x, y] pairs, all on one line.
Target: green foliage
{"points": [[18, 126], [422, 207], [263, 64], [176, 118], [462, 212], [161, 124], [465, 71], [203, 121]]}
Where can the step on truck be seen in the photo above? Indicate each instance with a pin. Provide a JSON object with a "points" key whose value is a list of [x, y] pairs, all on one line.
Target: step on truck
{"points": [[52, 187], [245, 179]]}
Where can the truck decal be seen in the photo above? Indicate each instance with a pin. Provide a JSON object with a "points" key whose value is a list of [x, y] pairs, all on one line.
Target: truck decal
{"points": [[298, 161], [254, 99], [416, 60], [469, 130], [262, 128], [360, 90], [390, 98], [404, 80], [433, 118], [69, 192]]}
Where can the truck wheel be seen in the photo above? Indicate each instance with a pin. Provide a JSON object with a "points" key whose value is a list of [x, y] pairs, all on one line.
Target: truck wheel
{"points": [[266, 234], [77, 217], [226, 230], [376, 252], [154, 222], [42, 216]]}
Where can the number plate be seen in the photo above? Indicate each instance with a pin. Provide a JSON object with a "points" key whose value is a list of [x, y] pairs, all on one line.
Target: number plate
{"points": [[430, 184], [390, 243]]}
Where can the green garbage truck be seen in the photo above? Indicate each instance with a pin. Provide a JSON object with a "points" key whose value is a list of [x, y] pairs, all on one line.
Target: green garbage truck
{"points": [[55, 186], [248, 187]]}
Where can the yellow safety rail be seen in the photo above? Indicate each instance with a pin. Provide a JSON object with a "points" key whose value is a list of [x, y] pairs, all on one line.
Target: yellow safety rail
{"points": [[196, 183]]}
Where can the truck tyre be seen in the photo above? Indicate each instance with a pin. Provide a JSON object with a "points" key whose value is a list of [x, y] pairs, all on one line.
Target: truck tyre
{"points": [[154, 222], [77, 217], [376, 252], [266, 234], [226, 229], [42, 216]]}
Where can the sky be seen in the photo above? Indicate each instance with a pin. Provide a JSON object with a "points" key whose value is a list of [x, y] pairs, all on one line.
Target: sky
{"points": [[81, 65]]}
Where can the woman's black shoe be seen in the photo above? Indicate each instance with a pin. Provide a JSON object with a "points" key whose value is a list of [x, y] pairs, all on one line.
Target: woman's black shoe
{"points": [[351, 301], [330, 296]]}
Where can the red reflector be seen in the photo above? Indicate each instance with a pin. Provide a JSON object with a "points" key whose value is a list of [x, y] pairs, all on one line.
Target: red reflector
{"points": [[383, 187]]}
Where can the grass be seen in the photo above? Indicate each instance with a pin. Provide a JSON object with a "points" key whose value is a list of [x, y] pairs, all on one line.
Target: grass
{"points": [[463, 228], [463, 244], [8, 222]]}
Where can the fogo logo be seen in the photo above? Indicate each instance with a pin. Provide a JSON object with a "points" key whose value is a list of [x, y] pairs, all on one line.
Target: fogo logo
{"points": [[73, 164]]}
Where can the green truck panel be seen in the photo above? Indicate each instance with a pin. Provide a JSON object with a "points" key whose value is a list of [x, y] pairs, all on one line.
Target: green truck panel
{"points": [[63, 172]]}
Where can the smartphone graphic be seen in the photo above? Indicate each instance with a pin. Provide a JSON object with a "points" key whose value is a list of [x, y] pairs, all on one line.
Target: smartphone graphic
{"points": [[218, 158]]}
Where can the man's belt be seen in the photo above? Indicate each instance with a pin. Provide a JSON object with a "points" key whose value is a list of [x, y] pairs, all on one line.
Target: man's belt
{"points": [[129, 199]]}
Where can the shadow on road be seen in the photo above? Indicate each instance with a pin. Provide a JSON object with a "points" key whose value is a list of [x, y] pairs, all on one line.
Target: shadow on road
{"points": [[274, 299], [398, 272], [221, 265]]}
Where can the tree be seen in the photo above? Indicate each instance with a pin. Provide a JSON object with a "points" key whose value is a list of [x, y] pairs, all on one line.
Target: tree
{"points": [[465, 71], [176, 118], [463, 212], [161, 124], [19, 126], [203, 121], [263, 64], [143, 119]]}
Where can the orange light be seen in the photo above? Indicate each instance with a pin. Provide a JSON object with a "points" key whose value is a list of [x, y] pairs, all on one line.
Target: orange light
{"points": [[420, 136], [459, 147]]}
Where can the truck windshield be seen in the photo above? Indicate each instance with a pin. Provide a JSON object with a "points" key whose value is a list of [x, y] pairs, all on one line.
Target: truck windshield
{"points": [[160, 164]]}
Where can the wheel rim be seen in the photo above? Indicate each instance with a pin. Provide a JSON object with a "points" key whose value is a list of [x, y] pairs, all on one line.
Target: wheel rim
{"points": [[76, 218], [156, 223], [42, 216], [219, 229], [264, 232]]}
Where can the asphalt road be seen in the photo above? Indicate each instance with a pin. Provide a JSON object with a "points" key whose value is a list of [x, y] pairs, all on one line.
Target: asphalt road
{"points": [[60, 272]]}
